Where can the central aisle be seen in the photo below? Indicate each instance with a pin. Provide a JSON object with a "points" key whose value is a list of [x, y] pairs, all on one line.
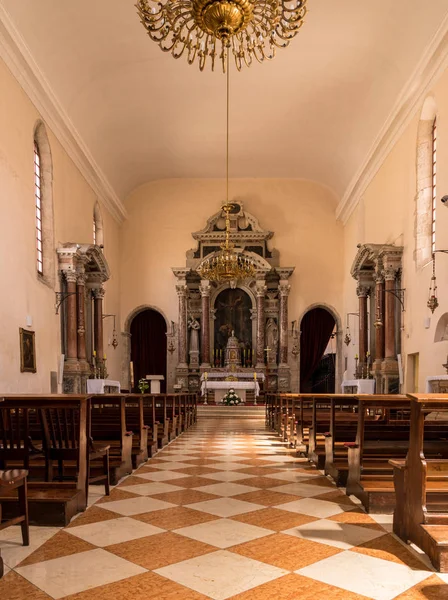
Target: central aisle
{"points": [[225, 511]]}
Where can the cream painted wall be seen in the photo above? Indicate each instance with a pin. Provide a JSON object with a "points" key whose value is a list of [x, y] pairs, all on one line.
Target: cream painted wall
{"points": [[387, 215], [22, 293]]}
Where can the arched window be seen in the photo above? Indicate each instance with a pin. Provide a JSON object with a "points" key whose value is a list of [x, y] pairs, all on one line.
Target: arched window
{"points": [[426, 199], [98, 236], [43, 199]]}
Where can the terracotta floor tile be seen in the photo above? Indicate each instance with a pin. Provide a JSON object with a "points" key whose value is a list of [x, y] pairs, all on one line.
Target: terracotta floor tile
{"points": [[261, 482], [389, 548], [148, 586], [196, 470], [274, 518], [259, 471], [296, 587], [320, 481], [255, 462], [285, 551], [336, 496], [185, 496], [157, 551], [15, 587], [61, 544], [175, 518], [267, 497], [116, 494], [94, 514], [432, 588], [357, 517], [148, 469], [190, 482]]}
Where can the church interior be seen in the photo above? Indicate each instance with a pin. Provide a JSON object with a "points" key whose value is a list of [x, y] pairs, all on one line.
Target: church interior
{"points": [[223, 337]]}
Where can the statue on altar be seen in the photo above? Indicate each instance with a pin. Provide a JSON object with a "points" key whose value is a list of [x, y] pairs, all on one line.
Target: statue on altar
{"points": [[233, 351], [194, 326], [272, 340]]}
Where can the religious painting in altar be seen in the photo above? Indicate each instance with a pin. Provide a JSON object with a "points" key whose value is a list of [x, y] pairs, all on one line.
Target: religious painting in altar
{"points": [[232, 313], [148, 346]]}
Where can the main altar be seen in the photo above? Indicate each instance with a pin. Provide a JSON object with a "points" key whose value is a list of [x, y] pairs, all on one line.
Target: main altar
{"points": [[234, 334]]}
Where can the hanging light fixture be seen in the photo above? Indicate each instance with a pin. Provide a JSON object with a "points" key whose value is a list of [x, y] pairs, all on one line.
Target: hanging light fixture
{"points": [[208, 29], [229, 264], [433, 301]]}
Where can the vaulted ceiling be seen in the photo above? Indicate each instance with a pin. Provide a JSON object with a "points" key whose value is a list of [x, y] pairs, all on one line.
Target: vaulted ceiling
{"points": [[314, 112]]}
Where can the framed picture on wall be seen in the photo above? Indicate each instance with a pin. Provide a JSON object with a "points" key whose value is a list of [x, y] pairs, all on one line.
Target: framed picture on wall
{"points": [[27, 351]]}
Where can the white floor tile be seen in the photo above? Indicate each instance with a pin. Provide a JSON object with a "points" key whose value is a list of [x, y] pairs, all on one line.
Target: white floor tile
{"points": [[226, 466], [226, 507], [220, 575], [116, 531], [160, 475], [223, 533], [149, 489], [169, 466], [294, 476], [361, 574], [73, 574], [227, 489], [13, 552], [136, 506], [314, 508], [339, 535], [165, 456], [226, 476], [301, 489], [385, 521]]}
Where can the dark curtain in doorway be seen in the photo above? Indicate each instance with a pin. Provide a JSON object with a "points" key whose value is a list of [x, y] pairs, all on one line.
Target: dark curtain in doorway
{"points": [[148, 346], [316, 329]]}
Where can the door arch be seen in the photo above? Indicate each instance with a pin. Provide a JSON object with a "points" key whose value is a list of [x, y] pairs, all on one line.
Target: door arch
{"points": [[149, 346]]}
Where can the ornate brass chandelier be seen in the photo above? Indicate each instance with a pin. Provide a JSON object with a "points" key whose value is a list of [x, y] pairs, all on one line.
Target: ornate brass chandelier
{"points": [[210, 29], [229, 265]]}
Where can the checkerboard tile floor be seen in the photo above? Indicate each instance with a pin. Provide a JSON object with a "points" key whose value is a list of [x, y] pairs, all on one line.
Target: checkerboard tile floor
{"points": [[224, 512]]}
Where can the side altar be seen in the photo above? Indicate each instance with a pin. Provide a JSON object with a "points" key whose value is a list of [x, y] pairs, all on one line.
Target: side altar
{"points": [[237, 328]]}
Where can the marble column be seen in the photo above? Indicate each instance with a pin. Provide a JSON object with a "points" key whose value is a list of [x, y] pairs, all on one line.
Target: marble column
{"points": [[389, 321], [205, 329], [72, 342], [98, 295], [363, 293], [81, 287], [260, 292], [284, 289], [181, 290]]}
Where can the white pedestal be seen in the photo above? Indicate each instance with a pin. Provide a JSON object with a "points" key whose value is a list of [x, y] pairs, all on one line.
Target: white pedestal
{"points": [[361, 386], [435, 384], [154, 383]]}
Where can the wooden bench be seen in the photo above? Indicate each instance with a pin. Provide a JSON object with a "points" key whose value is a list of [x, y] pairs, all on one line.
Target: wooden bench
{"points": [[421, 486], [370, 476], [16, 480], [49, 503]]}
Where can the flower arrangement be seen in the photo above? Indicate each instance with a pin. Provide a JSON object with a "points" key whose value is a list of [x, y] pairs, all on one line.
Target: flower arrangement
{"points": [[231, 398], [143, 385]]}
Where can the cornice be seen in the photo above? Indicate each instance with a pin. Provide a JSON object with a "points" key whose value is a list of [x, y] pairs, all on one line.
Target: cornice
{"points": [[17, 57], [432, 64]]}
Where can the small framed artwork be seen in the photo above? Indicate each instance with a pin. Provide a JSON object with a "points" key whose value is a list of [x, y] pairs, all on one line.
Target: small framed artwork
{"points": [[27, 351]]}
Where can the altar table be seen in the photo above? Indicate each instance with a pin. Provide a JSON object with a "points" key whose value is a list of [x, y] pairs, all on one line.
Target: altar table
{"points": [[358, 386], [221, 388], [97, 386]]}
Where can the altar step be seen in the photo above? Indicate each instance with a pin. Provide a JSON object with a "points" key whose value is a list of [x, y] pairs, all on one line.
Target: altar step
{"points": [[231, 412]]}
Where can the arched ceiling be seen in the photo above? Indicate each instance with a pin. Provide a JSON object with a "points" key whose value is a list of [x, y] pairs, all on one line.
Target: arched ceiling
{"points": [[314, 112]]}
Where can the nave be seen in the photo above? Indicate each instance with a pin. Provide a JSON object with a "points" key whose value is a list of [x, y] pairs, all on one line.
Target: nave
{"points": [[226, 511]]}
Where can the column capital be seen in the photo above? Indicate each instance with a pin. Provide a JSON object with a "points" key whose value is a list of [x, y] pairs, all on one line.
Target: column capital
{"points": [[70, 276], [205, 288], [390, 273], [98, 293], [261, 288], [181, 290], [362, 291], [81, 278], [284, 288]]}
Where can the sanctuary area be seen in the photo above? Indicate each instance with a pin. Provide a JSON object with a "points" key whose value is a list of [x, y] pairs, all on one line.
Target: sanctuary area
{"points": [[223, 335]]}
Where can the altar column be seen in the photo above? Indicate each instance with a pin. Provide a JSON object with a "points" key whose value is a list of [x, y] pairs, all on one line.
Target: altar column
{"points": [[284, 289], [98, 295], [379, 327], [181, 290], [205, 329], [260, 292], [81, 287], [72, 345], [363, 293]]}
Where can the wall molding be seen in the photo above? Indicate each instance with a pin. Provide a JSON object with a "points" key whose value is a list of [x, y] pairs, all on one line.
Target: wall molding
{"points": [[19, 60], [432, 64]]}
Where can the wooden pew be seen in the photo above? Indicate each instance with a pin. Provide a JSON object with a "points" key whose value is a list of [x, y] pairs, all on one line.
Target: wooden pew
{"points": [[421, 486], [143, 443], [50, 503], [162, 419], [370, 476]]}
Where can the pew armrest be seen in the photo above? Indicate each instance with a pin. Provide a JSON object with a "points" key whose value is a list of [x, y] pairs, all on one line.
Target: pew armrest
{"points": [[398, 464], [351, 445], [326, 434]]}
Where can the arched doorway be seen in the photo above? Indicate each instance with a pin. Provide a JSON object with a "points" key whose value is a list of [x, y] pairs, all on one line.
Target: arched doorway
{"points": [[318, 352], [148, 346], [232, 313]]}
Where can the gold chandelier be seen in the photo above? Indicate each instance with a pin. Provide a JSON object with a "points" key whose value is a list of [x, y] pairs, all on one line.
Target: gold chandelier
{"points": [[229, 265], [210, 29]]}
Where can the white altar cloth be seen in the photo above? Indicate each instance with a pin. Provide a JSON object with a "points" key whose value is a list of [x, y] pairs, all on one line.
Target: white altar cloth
{"points": [[96, 386], [364, 386], [235, 385], [223, 375], [432, 378]]}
